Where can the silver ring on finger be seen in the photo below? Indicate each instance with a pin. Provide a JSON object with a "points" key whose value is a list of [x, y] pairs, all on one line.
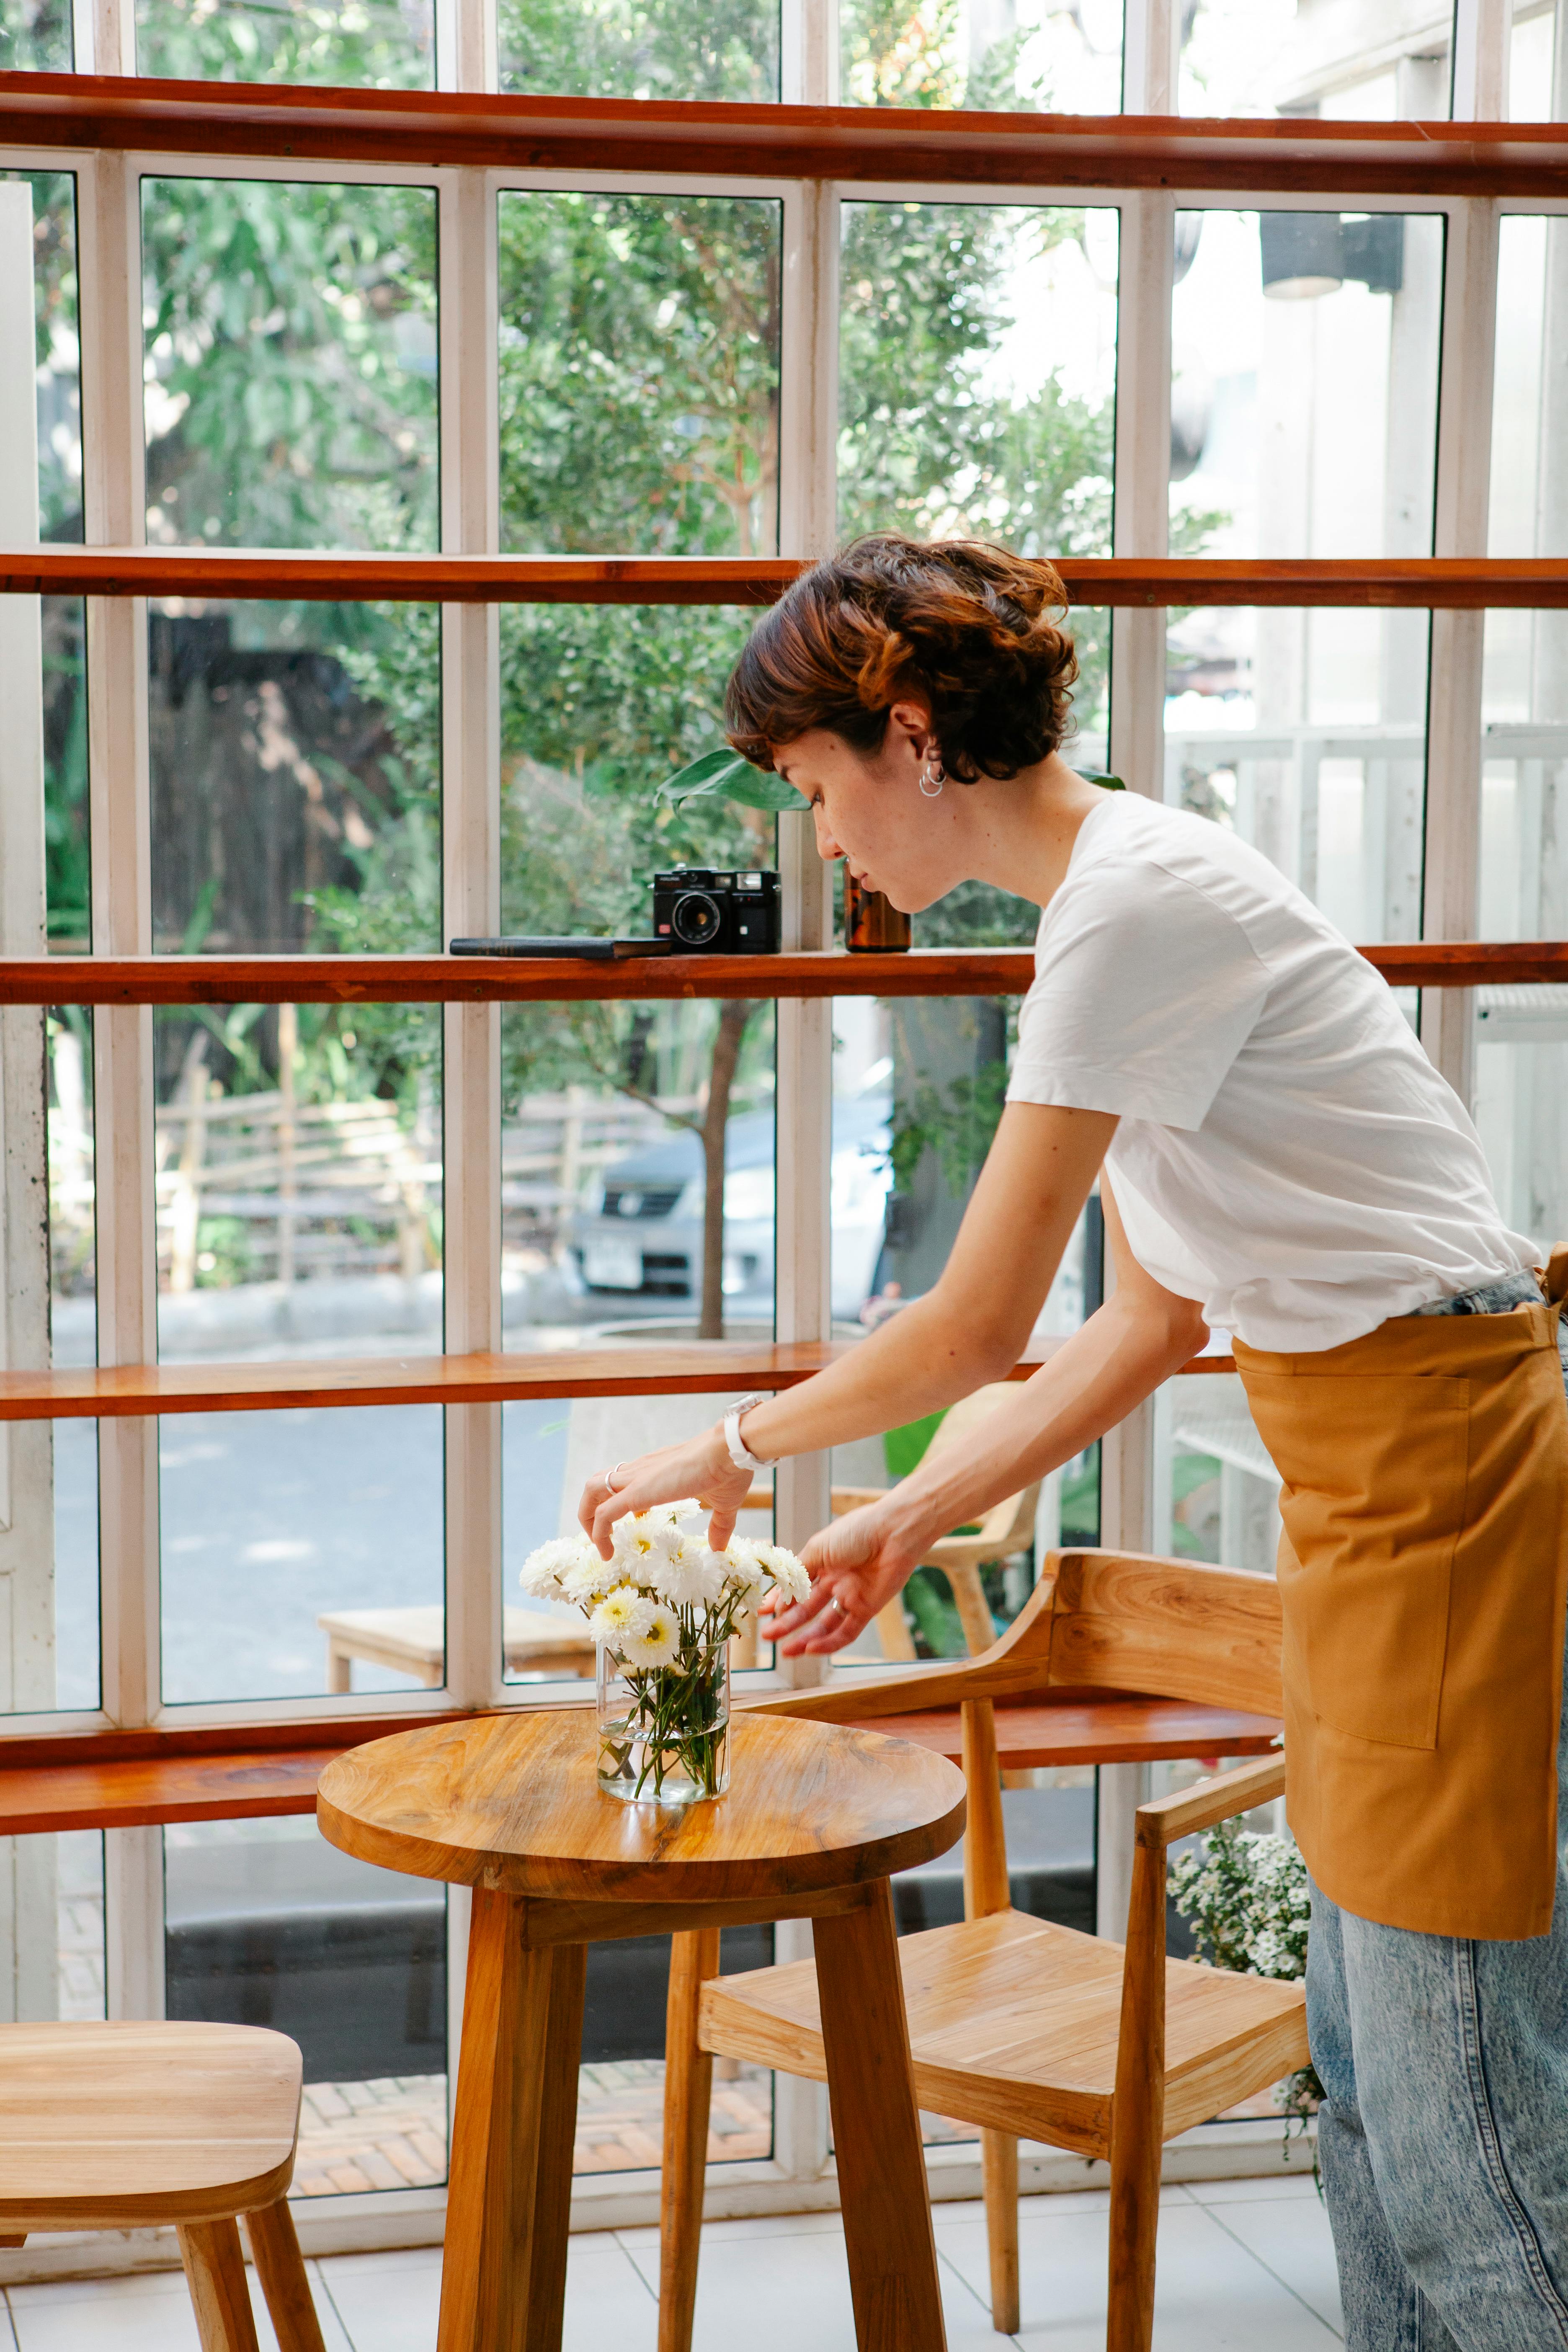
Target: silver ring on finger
{"points": [[838, 1604]]}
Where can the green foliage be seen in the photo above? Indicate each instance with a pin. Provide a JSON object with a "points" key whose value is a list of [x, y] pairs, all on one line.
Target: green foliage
{"points": [[292, 339], [639, 373], [34, 36], [724, 775], [370, 44], [641, 48], [1250, 1902], [956, 1122]]}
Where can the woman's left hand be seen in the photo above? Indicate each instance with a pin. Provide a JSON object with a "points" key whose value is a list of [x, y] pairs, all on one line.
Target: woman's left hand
{"points": [[856, 1566]]}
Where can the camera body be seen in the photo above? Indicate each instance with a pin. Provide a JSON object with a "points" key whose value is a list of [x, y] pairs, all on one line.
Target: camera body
{"points": [[703, 912]]}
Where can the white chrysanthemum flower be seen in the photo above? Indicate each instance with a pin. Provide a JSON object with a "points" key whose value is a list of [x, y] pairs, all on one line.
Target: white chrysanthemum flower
{"points": [[544, 1572], [787, 1571], [589, 1578], [692, 1577], [624, 1615], [744, 1566], [644, 1543], [658, 1644]]}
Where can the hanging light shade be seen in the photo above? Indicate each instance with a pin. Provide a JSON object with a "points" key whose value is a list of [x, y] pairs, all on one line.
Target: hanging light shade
{"points": [[1304, 254]]}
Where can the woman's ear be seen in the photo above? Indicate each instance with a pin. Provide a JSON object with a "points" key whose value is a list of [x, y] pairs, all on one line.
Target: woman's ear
{"points": [[910, 721]]}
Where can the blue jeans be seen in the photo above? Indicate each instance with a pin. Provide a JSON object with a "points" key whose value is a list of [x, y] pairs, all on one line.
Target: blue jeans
{"points": [[1443, 2137]]}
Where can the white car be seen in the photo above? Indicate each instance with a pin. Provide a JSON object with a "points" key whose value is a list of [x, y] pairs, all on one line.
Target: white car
{"points": [[642, 1234]]}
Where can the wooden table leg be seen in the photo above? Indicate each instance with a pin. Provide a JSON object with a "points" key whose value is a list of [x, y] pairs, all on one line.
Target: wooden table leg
{"points": [[546, 2312], [687, 2099], [492, 2175], [876, 2130]]}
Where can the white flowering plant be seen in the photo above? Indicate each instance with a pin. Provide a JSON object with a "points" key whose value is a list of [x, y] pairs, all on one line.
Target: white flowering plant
{"points": [[1249, 1903], [664, 1607]]}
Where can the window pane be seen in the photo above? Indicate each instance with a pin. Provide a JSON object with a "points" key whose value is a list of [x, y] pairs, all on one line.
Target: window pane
{"points": [[1537, 55], [1522, 1108], [641, 48], [57, 357], [35, 37], [66, 1454], [1376, 61], [1216, 1491], [1529, 410], [300, 1179], [296, 762], [1055, 56], [977, 368], [378, 44], [51, 1928], [1524, 780], [303, 1551], [1305, 732], [266, 1924], [291, 364], [918, 1091], [639, 373]]}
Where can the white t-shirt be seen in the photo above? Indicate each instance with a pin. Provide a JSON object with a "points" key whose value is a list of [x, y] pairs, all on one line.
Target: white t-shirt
{"points": [[1287, 1152]]}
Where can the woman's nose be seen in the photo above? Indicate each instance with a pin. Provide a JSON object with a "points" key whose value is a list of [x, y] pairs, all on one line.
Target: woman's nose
{"points": [[826, 847]]}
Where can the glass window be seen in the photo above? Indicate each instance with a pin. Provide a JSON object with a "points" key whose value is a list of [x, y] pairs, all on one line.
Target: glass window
{"points": [[978, 373], [1053, 57], [1357, 60], [1521, 1067], [1536, 55], [639, 373], [51, 1927], [35, 37], [1304, 423], [58, 368], [266, 1924], [303, 1551], [64, 1455], [296, 763], [299, 1179], [1529, 416], [641, 48], [378, 44], [290, 364], [1216, 1491]]}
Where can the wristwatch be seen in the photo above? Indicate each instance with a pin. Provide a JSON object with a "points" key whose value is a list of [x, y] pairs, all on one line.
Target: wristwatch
{"points": [[740, 1453]]}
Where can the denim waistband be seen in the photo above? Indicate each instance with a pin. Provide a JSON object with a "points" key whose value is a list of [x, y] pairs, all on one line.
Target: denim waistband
{"points": [[1491, 1298]]}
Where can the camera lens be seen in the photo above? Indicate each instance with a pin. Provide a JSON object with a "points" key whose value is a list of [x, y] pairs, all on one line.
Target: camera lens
{"points": [[695, 918]]}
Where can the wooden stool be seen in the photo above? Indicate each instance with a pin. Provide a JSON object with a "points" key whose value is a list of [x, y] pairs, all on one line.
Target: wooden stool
{"points": [[115, 2126], [815, 1820], [413, 1641]]}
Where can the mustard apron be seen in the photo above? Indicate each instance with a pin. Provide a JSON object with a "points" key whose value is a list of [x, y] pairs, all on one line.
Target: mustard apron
{"points": [[1423, 1575]]}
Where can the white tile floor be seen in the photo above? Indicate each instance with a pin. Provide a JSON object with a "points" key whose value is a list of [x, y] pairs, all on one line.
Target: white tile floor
{"points": [[1242, 2263]]}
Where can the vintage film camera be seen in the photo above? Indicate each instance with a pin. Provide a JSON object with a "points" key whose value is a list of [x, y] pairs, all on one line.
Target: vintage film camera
{"points": [[701, 911]]}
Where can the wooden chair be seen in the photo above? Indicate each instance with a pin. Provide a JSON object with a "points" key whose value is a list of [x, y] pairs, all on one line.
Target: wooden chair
{"points": [[1007, 1529], [413, 1641], [1017, 2026], [116, 2126]]}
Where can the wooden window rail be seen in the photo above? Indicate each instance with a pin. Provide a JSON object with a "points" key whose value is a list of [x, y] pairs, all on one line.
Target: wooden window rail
{"points": [[420, 128], [1415, 582], [488, 980]]}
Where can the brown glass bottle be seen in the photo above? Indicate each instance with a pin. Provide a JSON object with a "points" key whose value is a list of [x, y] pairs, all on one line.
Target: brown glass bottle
{"points": [[872, 924]]}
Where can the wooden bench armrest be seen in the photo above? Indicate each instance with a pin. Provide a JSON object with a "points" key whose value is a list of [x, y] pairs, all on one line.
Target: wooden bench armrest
{"points": [[1166, 1819]]}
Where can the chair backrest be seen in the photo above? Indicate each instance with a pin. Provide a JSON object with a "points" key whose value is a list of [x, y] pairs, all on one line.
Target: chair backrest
{"points": [[1174, 1628]]}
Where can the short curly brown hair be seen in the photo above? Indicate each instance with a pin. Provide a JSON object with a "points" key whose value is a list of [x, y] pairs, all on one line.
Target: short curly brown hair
{"points": [[962, 625]]}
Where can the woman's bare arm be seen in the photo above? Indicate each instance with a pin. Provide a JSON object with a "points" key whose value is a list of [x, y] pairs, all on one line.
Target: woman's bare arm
{"points": [[1139, 1338], [969, 1330]]}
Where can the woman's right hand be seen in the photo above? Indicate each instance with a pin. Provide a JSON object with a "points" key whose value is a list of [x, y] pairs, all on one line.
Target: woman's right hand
{"points": [[699, 1466], [856, 1565]]}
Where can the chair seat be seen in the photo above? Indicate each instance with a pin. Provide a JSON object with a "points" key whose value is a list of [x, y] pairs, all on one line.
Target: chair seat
{"points": [[113, 2123], [1013, 2024]]}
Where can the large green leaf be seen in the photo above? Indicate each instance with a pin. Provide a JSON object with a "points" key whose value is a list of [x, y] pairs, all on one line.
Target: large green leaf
{"points": [[724, 775]]}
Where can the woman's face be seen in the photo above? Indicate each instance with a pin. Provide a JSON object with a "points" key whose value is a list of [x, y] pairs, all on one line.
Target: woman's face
{"points": [[868, 809]]}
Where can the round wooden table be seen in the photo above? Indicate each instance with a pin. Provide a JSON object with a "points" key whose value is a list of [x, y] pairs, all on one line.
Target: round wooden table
{"points": [[815, 1820]]}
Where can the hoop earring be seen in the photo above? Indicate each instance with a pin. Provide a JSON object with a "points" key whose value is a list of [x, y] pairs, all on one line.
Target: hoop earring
{"points": [[932, 778]]}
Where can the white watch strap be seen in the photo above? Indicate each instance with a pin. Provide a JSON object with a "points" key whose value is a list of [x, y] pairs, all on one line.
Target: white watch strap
{"points": [[740, 1452]]}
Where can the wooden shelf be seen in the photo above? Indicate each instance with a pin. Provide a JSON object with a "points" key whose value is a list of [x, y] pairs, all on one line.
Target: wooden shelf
{"points": [[117, 1780], [420, 128], [636, 1367], [523, 980], [1418, 582]]}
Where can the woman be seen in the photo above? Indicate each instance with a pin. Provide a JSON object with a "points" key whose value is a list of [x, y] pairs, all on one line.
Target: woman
{"points": [[1277, 1158]]}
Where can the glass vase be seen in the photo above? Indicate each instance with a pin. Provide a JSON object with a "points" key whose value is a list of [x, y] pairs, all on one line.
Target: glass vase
{"points": [[664, 1730]]}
